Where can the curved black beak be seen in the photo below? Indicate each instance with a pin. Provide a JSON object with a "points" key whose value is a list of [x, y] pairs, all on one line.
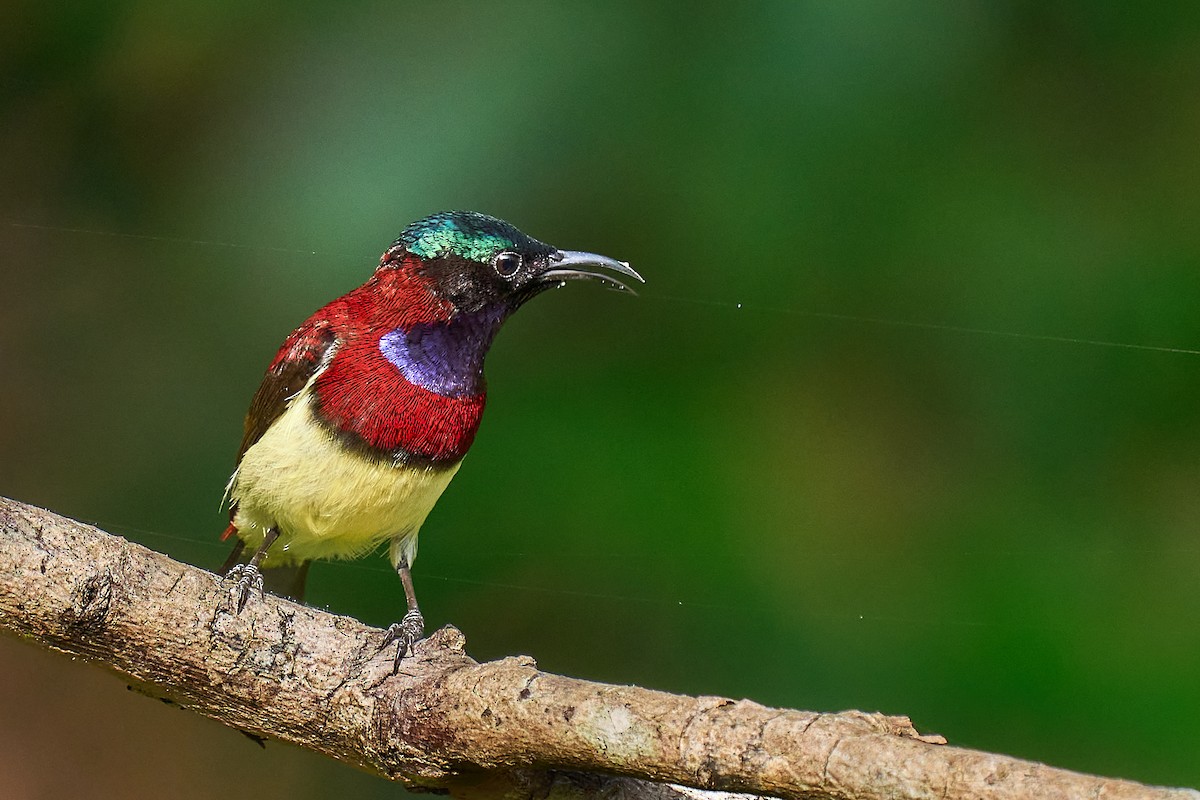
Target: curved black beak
{"points": [[568, 265]]}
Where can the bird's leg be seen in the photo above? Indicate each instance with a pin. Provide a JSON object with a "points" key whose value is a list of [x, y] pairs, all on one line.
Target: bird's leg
{"points": [[238, 547], [247, 575], [409, 630]]}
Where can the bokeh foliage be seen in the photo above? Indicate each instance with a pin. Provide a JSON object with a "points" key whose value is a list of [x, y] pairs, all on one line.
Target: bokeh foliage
{"points": [[754, 479]]}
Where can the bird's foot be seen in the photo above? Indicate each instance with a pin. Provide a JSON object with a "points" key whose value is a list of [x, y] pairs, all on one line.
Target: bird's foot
{"points": [[248, 579], [405, 633]]}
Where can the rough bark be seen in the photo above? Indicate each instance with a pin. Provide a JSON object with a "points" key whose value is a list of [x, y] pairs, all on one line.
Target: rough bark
{"points": [[444, 721]]}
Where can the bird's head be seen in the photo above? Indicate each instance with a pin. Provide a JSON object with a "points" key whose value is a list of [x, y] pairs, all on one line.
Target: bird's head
{"points": [[480, 263]]}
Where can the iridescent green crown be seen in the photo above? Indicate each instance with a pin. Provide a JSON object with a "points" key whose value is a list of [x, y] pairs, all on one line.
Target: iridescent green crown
{"points": [[466, 234]]}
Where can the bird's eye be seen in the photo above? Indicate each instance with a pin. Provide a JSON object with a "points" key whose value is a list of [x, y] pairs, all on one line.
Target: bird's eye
{"points": [[507, 264]]}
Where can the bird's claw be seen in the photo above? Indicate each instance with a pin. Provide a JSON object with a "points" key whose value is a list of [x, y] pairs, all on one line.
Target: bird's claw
{"points": [[248, 579], [405, 633]]}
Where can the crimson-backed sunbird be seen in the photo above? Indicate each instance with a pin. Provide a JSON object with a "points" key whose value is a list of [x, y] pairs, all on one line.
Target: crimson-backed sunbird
{"points": [[368, 408]]}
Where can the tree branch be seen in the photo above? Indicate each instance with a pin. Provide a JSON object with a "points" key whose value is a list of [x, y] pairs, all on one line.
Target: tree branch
{"points": [[501, 728]]}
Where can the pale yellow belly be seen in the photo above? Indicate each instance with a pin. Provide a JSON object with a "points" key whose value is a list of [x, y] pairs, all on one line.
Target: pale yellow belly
{"points": [[326, 501]]}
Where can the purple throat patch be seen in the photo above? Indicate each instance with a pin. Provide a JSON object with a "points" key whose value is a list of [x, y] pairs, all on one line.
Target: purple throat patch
{"points": [[445, 358]]}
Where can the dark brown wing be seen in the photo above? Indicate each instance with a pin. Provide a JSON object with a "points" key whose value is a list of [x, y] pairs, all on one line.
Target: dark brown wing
{"points": [[301, 355]]}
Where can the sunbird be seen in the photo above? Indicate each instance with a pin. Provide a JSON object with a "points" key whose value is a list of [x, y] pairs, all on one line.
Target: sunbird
{"points": [[369, 406]]}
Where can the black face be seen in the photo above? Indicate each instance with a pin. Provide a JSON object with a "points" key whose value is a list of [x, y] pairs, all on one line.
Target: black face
{"points": [[495, 266], [478, 262]]}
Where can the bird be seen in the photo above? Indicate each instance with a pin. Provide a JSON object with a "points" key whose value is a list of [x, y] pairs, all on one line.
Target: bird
{"points": [[369, 406]]}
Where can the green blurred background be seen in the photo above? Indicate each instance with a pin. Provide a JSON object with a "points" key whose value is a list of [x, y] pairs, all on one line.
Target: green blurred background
{"points": [[748, 481]]}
